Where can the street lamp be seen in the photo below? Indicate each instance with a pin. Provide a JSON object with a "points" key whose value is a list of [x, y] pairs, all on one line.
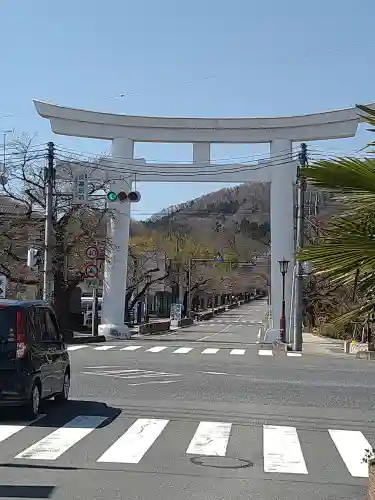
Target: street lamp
{"points": [[283, 263], [148, 281], [4, 133]]}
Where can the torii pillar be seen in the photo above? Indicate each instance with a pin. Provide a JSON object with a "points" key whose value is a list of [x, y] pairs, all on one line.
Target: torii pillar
{"points": [[124, 130]]}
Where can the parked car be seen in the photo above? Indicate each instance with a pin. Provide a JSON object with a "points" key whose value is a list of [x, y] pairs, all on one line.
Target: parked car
{"points": [[34, 362]]}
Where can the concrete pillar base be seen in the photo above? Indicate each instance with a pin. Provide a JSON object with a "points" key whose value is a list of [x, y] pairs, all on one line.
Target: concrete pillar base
{"points": [[115, 331]]}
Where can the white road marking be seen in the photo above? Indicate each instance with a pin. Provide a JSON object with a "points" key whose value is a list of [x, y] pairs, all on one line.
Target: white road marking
{"points": [[294, 354], [7, 430], [183, 350], [211, 438], [155, 382], [158, 348], [76, 347], [238, 351], [104, 348], [60, 440], [351, 445], [265, 352], [210, 351], [131, 348], [282, 450], [214, 334], [132, 446]]}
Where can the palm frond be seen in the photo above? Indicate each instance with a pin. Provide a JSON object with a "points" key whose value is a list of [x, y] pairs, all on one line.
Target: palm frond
{"points": [[368, 117]]}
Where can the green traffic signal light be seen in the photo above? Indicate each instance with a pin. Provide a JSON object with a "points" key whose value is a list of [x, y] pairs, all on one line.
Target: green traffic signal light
{"points": [[112, 196]]}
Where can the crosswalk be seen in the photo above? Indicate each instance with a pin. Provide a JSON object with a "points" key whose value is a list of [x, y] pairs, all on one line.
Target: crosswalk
{"points": [[175, 350], [130, 441]]}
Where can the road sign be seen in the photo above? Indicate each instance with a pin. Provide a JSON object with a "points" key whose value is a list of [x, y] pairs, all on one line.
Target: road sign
{"points": [[92, 253], [92, 282], [3, 286], [219, 257], [91, 271], [80, 188]]}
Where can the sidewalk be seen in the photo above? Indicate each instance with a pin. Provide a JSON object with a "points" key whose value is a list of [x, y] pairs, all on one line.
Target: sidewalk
{"points": [[314, 344]]}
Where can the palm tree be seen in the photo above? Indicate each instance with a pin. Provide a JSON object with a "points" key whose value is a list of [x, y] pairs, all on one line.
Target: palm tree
{"points": [[345, 255]]}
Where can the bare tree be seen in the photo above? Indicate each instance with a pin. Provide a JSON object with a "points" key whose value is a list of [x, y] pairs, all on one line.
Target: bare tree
{"points": [[74, 227]]}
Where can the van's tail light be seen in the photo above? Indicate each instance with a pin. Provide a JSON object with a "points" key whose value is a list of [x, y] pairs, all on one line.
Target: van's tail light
{"points": [[21, 336]]}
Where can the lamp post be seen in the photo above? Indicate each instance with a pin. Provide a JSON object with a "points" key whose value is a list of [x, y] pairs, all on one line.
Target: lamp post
{"points": [[4, 133], [148, 281], [283, 270]]}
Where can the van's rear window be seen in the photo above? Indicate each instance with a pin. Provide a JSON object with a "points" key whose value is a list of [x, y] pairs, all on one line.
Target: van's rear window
{"points": [[8, 320]]}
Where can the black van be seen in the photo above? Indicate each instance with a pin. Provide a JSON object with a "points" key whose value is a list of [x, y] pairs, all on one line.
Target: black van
{"points": [[34, 362]]}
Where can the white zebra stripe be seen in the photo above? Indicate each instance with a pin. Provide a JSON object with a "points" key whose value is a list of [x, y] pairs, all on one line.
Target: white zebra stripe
{"points": [[59, 441], [133, 445], [211, 438], [351, 445], [282, 450]]}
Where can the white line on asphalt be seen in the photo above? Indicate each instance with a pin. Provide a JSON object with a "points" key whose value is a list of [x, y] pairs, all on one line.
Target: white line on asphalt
{"points": [[239, 318], [265, 352], [216, 373], [294, 354], [158, 348], [210, 351], [60, 440], [238, 351], [282, 450], [7, 430], [76, 347], [132, 446], [211, 438], [214, 334], [155, 382], [351, 445], [131, 348], [104, 348], [182, 350]]}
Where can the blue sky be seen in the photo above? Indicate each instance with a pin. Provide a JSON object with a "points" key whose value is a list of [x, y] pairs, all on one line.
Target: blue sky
{"points": [[197, 58]]}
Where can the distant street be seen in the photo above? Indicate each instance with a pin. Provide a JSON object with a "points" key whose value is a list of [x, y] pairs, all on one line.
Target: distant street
{"points": [[199, 414]]}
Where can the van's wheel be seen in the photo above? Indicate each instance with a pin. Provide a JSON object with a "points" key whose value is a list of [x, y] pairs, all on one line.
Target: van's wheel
{"points": [[32, 408], [63, 396]]}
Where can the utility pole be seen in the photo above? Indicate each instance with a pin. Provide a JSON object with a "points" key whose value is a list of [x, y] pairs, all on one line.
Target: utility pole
{"points": [[188, 312], [48, 225], [298, 305]]}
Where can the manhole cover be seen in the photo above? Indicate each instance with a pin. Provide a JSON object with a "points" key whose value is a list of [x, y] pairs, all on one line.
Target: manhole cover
{"points": [[221, 462]]}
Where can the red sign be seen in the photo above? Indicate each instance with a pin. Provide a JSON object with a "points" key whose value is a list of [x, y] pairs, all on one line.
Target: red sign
{"points": [[91, 271]]}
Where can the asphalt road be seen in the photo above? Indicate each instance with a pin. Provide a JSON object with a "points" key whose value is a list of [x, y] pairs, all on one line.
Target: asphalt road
{"points": [[146, 423]]}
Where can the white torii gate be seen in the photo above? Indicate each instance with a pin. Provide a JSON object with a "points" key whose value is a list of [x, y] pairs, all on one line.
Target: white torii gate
{"points": [[125, 130]]}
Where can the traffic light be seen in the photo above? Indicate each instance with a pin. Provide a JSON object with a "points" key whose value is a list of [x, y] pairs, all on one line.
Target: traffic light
{"points": [[121, 196]]}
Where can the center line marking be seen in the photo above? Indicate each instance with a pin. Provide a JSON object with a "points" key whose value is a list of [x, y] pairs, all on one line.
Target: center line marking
{"points": [[214, 334]]}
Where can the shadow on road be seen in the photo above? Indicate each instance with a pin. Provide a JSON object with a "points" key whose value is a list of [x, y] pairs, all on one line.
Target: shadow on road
{"points": [[15, 491], [53, 414]]}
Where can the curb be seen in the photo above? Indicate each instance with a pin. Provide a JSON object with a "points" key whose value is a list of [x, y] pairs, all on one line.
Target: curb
{"points": [[369, 355]]}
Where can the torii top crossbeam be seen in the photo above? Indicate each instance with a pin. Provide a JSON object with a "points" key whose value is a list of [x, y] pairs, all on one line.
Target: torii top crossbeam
{"points": [[312, 127]]}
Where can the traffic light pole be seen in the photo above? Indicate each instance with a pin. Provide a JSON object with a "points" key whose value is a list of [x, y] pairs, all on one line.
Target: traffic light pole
{"points": [[298, 305], [48, 226]]}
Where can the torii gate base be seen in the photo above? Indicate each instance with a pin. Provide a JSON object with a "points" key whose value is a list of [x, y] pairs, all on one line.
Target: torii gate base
{"points": [[124, 130]]}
